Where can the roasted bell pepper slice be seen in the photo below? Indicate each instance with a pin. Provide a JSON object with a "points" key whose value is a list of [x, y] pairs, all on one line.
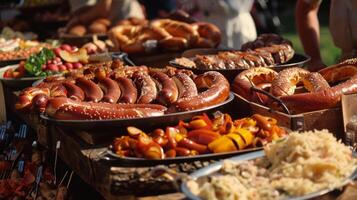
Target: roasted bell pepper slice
{"points": [[222, 144], [246, 135], [217, 122], [134, 132], [194, 134], [182, 130], [183, 124], [245, 122], [197, 124], [205, 118], [227, 125], [238, 140]]}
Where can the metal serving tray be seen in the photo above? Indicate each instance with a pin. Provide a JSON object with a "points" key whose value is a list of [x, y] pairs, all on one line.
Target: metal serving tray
{"points": [[213, 168], [112, 124], [17, 83], [298, 60], [114, 159]]}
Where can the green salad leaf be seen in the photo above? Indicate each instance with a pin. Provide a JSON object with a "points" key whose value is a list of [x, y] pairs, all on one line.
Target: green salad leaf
{"points": [[34, 63]]}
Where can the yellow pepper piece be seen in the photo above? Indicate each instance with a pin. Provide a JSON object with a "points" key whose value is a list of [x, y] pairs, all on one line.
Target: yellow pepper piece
{"points": [[238, 140], [197, 123], [246, 135], [179, 137], [222, 144]]}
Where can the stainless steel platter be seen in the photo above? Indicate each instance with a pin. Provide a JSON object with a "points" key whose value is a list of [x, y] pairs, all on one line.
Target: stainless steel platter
{"points": [[215, 167]]}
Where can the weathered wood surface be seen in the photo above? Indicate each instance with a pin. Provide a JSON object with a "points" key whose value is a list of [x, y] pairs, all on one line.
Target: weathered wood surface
{"points": [[112, 182], [2, 104]]}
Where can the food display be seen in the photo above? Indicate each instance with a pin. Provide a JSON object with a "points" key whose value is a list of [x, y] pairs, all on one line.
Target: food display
{"points": [[98, 26], [201, 135], [17, 49], [118, 91], [61, 59], [266, 51], [298, 165], [163, 34], [49, 62], [131, 101], [322, 93]]}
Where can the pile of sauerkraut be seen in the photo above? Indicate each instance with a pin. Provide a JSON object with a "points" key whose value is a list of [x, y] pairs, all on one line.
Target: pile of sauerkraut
{"points": [[299, 164]]}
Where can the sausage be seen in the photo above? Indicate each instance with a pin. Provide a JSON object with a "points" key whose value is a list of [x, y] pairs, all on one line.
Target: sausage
{"points": [[217, 92], [67, 109], [91, 90], [324, 99], [181, 151], [111, 90], [147, 87], [129, 93], [74, 92], [168, 91], [185, 85], [243, 82], [189, 144]]}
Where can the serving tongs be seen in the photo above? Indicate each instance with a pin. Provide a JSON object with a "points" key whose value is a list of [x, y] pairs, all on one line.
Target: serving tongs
{"points": [[122, 56], [110, 56], [272, 97]]}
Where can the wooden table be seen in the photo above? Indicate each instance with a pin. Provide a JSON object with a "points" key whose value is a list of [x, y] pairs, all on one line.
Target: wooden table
{"points": [[85, 159]]}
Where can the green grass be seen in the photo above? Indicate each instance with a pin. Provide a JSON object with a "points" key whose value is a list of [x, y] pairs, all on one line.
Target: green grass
{"points": [[329, 52]]}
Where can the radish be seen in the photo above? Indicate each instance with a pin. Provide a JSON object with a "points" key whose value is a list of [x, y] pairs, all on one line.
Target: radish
{"points": [[69, 66], [52, 67], [62, 67]]}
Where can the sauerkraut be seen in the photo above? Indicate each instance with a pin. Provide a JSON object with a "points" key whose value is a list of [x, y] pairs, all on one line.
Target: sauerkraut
{"points": [[299, 164]]}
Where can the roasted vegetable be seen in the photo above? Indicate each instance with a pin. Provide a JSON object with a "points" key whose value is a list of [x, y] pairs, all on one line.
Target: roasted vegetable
{"points": [[199, 136]]}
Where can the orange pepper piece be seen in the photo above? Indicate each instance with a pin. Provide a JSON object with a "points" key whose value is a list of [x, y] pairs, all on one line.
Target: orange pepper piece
{"points": [[222, 144]]}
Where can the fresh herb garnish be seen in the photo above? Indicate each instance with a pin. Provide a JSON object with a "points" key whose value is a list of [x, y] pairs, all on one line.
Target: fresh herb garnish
{"points": [[34, 63]]}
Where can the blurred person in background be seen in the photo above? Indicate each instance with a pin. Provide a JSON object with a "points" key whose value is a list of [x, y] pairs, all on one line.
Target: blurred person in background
{"points": [[232, 17], [85, 11], [343, 28], [158, 8]]}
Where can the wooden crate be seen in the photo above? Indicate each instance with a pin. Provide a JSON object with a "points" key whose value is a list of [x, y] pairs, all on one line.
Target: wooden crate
{"points": [[330, 119]]}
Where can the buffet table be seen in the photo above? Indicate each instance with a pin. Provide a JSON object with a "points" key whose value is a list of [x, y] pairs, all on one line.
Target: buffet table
{"points": [[136, 119], [83, 153]]}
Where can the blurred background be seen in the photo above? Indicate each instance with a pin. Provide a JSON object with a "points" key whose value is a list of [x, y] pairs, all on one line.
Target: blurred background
{"points": [[329, 52], [44, 17]]}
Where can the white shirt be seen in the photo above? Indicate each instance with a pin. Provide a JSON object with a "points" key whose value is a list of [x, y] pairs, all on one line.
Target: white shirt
{"points": [[232, 17]]}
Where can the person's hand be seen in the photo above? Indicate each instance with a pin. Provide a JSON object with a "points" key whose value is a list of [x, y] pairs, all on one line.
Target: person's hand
{"points": [[315, 65]]}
